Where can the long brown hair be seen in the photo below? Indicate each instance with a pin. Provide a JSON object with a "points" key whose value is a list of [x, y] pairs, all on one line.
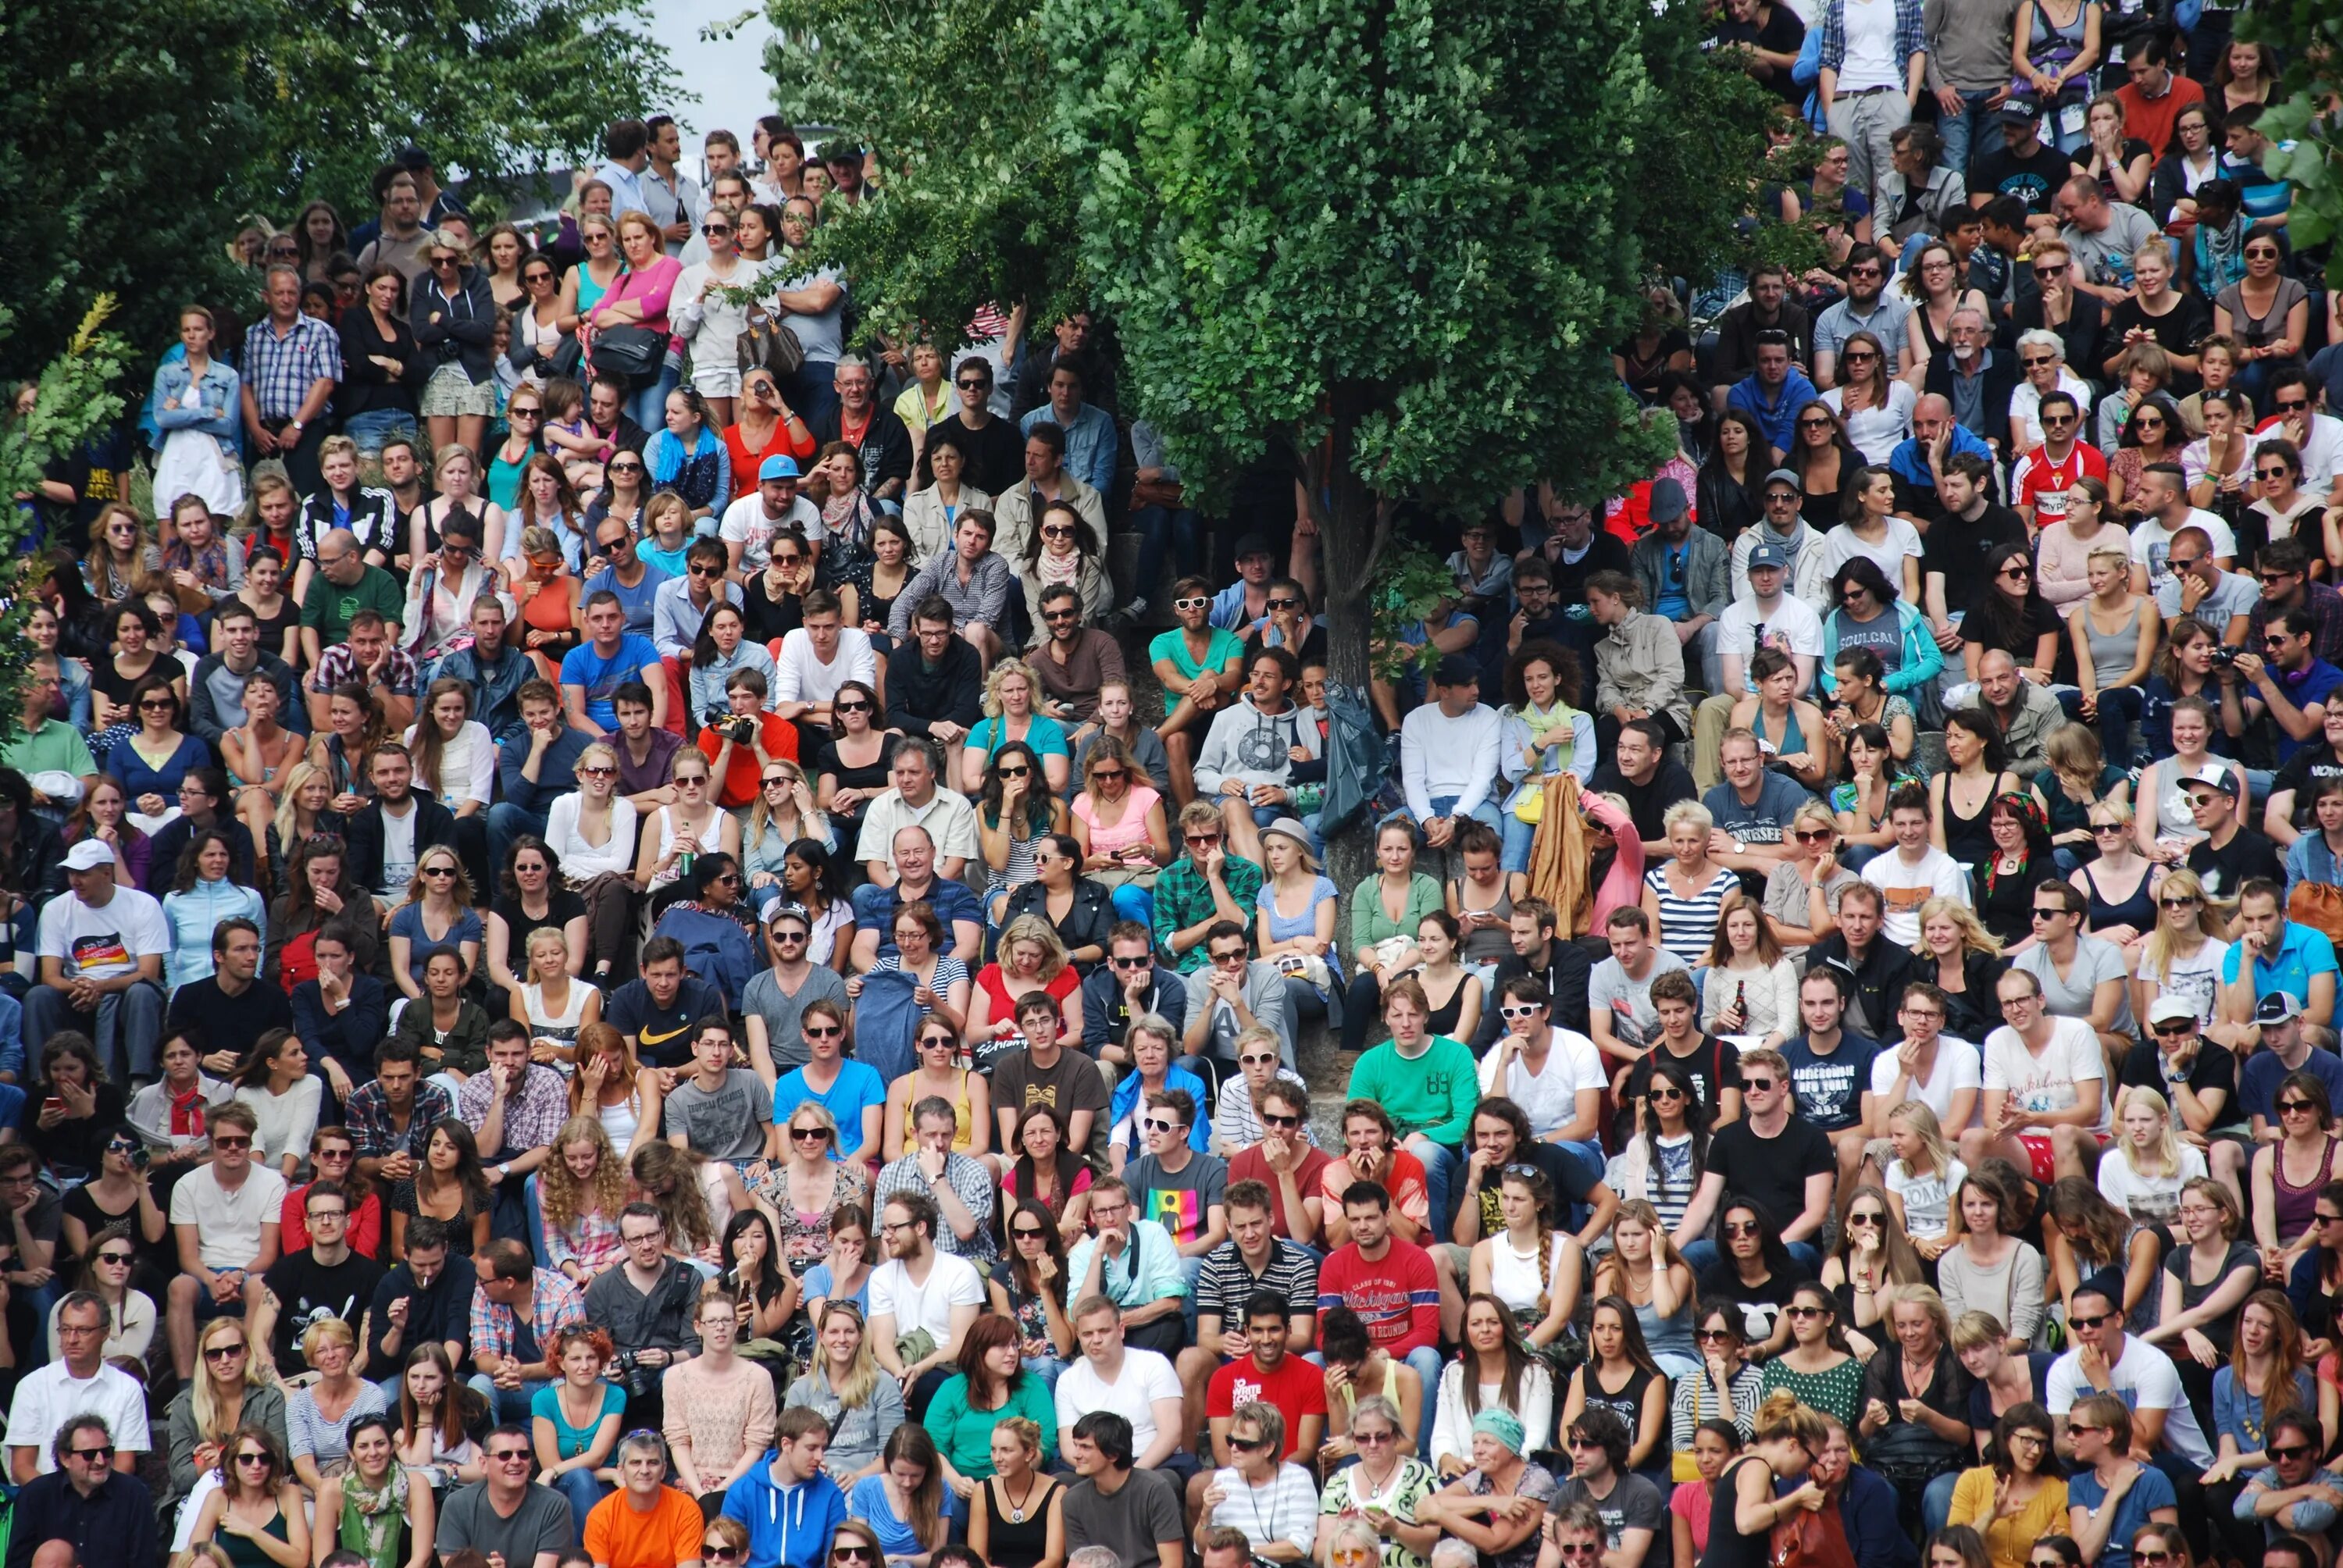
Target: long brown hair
{"points": [[450, 1427], [430, 744]]}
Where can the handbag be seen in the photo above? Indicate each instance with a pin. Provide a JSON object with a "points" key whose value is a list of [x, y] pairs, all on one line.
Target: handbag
{"points": [[768, 342], [2320, 906], [634, 352], [1529, 802]]}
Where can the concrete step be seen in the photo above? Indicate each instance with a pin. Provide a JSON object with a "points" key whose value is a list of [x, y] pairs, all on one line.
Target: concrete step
{"points": [[1325, 1067]]}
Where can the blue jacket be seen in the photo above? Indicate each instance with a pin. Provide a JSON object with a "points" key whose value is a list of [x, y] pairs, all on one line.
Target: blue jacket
{"points": [[716, 947], [194, 914], [789, 1526], [221, 390], [349, 1036], [1922, 660]]}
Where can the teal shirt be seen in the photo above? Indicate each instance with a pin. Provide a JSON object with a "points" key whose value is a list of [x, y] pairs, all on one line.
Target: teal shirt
{"points": [[570, 1442], [1172, 645], [1434, 1094], [1371, 923], [964, 1436]]}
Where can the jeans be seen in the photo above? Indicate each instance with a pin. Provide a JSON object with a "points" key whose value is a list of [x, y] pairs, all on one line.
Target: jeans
{"points": [[126, 1025], [1445, 805], [374, 428], [583, 1492], [647, 406], [503, 1403], [1156, 528], [1134, 902], [1518, 836], [2119, 707], [1936, 1501], [1962, 132], [1439, 1163], [1047, 1368], [1702, 1255], [1425, 1361], [811, 391], [507, 822]]}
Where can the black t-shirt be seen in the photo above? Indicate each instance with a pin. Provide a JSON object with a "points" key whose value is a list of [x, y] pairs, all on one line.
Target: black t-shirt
{"points": [[307, 1291], [2214, 1067], [1958, 547], [2019, 634], [1760, 1304], [561, 906], [1783, 33], [1607, 553], [2224, 871], [2034, 180], [1712, 1066], [223, 1022], [2303, 773], [2176, 331], [1771, 1172], [663, 1034], [435, 1314], [1647, 803]]}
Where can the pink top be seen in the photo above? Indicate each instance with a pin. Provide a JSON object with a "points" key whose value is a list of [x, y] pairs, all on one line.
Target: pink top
{"points": [[1690, 1503], [1131, 833], [1623, 887], [649, 288], [2062, 571]]}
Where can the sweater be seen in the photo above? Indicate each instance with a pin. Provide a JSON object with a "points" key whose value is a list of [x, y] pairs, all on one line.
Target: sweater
{"points": [[1440, 757], [2012, 1292], [1434, 1093], [720, 1415]]}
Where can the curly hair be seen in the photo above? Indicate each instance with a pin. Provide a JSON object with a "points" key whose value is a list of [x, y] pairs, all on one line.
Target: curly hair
{"points": [[1000, 674], [562, 1195], [1567, 673]]}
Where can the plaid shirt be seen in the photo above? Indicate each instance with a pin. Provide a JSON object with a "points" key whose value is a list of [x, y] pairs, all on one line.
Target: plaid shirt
{"points": [[1183, 898], [367, 1115], [1910, 35], [2326, 608], [532, 1119], [338, 664], [554, 1305], [280, 371]]}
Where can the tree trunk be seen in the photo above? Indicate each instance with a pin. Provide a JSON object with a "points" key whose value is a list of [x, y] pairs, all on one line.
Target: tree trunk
{"points": [[1352, 543]]}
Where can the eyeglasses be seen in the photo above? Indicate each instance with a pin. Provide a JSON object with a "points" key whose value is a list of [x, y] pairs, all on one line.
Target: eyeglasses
{"points": [[222, 1353], [1018, 772], [520, 413], [2083, 1321], [2060, 421], [1859, 355], [1262, 1060], [1141, 962], [786, 557], [2178, 1027], [438, 872], [2050, 913], [1866, 1217], [2100, 829], [1109, 773], [1057, 531]]}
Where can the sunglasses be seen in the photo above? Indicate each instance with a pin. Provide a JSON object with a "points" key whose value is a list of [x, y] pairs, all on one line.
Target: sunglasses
{"points": [[2288, 1106], [623, 469], [1203, 841], [1804, 1311], [2291, 1451], [1270, 1120], [1191, 603], [1098, 773], [1667, 1092], [1741, 1228], [710, 1550], [849, 707], [1516, 1010], [2081, 1321], [598, 773], [1824, 836], [1757, 1085], [1814, 424], [1034, 1232], [850, 1554], [2060, 421], [809, 1135], [1714, 1334], [974, 386], [231, 1142], [830, 1033], [2277, 473], [252, 1459], [716, 228], [222, 1353], [1247, 1445]]}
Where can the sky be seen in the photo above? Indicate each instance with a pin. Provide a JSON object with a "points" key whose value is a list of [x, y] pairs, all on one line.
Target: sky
{"points": [[726, 77]]}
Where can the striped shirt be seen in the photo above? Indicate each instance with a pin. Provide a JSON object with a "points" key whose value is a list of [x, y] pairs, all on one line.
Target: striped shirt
{"points": [[280, 370], [1224, 1284], [1688, 925]]}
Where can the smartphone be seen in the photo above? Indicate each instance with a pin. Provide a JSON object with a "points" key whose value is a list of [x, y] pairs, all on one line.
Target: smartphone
{"points": [[55, 1104]]}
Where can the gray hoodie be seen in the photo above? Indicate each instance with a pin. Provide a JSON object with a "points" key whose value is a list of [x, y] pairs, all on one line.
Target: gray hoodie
{"points": [[1247, 744]]}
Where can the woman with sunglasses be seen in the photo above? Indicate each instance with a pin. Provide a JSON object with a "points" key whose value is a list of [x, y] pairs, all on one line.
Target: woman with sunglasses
{"points": [[532, 896], [932, 513], [584, 284], [227, 1393], [807, 1189], [1016, 1518], [124, 558], [709, 323], [545, 588], [1873, 408], [1726, 1385], [845, 1385], [2286, 510], [1121, 829], [2151, 434], [591, 834], [2010, 617], [622, 494], [119, 1200], [1063, 550], [437, 912], [2267, 312], [151, 761], [2288, 1173], [763, 424], [692, 824], [938, 1076], [2014, 1498], [129, 1313], [259, 1515], [1872, 616], [538, 331], [453, 314], [1825, 462], [1819, 1366], [1029, 1286], [1872, 1256]]}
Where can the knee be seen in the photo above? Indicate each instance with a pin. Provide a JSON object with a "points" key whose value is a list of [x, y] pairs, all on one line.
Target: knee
{"points": [[183, 1292]]}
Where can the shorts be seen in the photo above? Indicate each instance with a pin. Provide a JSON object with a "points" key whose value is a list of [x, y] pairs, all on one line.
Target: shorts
{"points": [[720, 379], [450, 395], [2040, 1157]]}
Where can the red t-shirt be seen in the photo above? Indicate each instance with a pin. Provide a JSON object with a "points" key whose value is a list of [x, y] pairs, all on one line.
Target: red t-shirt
{"points": [[1397, 1296], [1296, 1388], [1410, 1194], [2043, 483], [1252, 1165], [739, 786], [365, 1234]]}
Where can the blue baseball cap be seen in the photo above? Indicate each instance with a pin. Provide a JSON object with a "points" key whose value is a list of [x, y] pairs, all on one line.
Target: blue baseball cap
{"points": [[779, 466]]}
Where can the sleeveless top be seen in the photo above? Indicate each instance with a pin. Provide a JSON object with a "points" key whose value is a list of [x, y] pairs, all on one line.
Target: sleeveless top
{"points": [[1283, 927], [2112, 652], [1010, 1544], [1968, 840], [1667, 1336], [244, 1553], [2137, 911], [1519, 1282], [1727, 1546], [1130, 831], [667, 836], [1019, 869], [2294, 1204], [1485, 945], [1688, 924], [561, 1028], [1444, 1017], [909, 1097], [620, 1121]]}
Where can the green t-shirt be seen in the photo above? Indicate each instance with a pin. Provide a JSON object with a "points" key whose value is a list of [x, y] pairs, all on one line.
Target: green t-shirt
{"points": [[56, 746], [1173, 644], [330, 607], [1433, 1094]]}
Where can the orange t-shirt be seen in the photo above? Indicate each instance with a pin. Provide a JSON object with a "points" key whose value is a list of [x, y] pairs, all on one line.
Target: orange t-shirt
{"points": [[738, 787], [657, 1537]]}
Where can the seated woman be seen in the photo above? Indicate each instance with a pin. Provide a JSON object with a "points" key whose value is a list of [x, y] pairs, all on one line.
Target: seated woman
{"points": [[1014, 815], [449, 1029], [1915, 1427], [227, 1394], [1819, 1367], [2018, 1496], [1011, 690], [719, 1406], [991, 1387], [1078, 909], [377, 1508], [1031, 959], [2207, 1276], [1620, 1378], [1992, 1268], [1532, 1268], [318, 1419], [129, 1313], [1371, 1506], [580, 1192], [1495, 1371], [257, 1505], [455, 762], [448, 1187], [153, 760], [202, 897], [1029, 1287], [846, 1388], [1872, 1254], [1358, 1370], [938, 1076], [437, 912], [2094, 1243], [275, 1081], [432, 1439], [575, 1420], [551, 1003], [79, 1108], [1016, 1517], [1790, 729], [533, 895]]}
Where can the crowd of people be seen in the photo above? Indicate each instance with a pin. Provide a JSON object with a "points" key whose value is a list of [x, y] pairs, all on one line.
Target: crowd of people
{"points": [[610, 958]]}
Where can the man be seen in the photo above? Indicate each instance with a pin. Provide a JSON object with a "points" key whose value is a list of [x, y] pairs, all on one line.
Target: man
{"points": [[720, 1109], [1231, 993], [228, 1009], [647, 1304], [345, 585], [592, 674], [1576, 1532], [1761, 615], [1253, 1266], [2288, 814], [2102, 237], [746, 535], [1260, 1360], [515, 1110], [78, 1383], [216, 691], [2164, 497], [1390, 1283], [2294, 1493], [2284, 567], [1874, 66], [1563, 968], [291, 362], [1088, 430], [1974, 380], [1372, 1153], [2289, 959], [398, 243], [536, 763], [1205, 888], [38, 743], [1710, 1062], [225, 1222], [625, 152], [89, 1501], [918, 876], [2155, 94], [1127, 987], [101, 951], [2198, 587], [390, 1116], [2041, 480], [1427, 1082], [341, 1013], [1619, 1011], [505, 1516], [1133, 1267], [1175, 1186], [876, 433], [1913, 872], [1046, 1074], [918, 1294], [1780, 1161], [2290, 682], [517, 1308], [1502, 1137], [1288, 1167], [2106, 1361], [1938, 1070], [389, 834], [2228, 858], [681, 603], [367, 656], [672, 196], [935, 688], [1641, 773], [2021, 708], [961, 1187], [1867, 308], [972, 579], [1628, 1506], [1130, 1511], [851, 1092], [1552, 1073], [1775, 389], [2295, 417], [1752, 810], [776, 996], [817, 656], [791, 1507], [1830, 1072], [2021, 168], [2265, 197], [1767, 308], [325, 1279], [1968, 526], [2082, 977], [645, 1524], [493, 666], [992, 450], [1638, 663], [2045, 1088], [1867, 1503], [1246, 762], [1682, 570], [1876, 965], [425, 1299]]}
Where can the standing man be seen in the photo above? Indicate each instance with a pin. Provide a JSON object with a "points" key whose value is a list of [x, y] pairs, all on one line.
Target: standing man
{"points": [[626, 151], [1874, 61], [1968, 70], [673, 195], [813, 306], [922, 1300], [517, 1310], [101, 951], [291, 362], [400, 231]]}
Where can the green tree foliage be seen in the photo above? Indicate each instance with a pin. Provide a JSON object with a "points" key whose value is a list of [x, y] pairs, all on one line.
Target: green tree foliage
{"points": [[2309, 36]]}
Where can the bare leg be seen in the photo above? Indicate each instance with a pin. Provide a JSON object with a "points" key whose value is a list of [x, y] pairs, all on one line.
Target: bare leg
{"points": [[440, 429], [984, 639], [472, 430], [1451, 1295], [1850, 1145], [182, 1322], [1236, 822], [1180, 750], [2227, 1160], [1196, 1367], [719, 414]]}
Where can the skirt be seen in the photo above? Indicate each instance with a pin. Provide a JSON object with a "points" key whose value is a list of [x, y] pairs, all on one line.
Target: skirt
{"points": [[192, 464], [450, 395]]}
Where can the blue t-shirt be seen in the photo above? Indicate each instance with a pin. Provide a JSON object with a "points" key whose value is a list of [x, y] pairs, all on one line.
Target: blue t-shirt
{"points": [[570, 1442], [2302, 952], [868, 1501], [1673, 563], [636, 601], [1044, 734], [2259, 1080], [859, 1085], [1829, 1089], [2315, 684], [2151, 1492], [1766, 822], [875, 907], [407, 920], [601, 678], [817, 1284]]}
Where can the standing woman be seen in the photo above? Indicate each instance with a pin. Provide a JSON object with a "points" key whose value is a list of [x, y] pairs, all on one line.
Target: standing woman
{"points": [[383, 366], [1874, 410], [195, 400], [257, 1516], [585, 283], [591, 832], [639, 297], [1868, 526], [1785, 1436], [377, 1508], [508, 463], [1991, 1269], [454, 316], [688, 457], [538, 333], [1817, 1367], [1686, 894], [708, 324]]}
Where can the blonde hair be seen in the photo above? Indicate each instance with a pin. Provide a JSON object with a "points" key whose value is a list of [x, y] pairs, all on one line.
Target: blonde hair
{"points": [[544, 935], [760, 814], [2155, 958], [286, 822], [325, 1330], [1916, 1114], [461, 892], [1974, 1330], [1974, 938], [1781, 1415], [1663, 1248], [204, 1398], [863, 1375], [1925, 1298], [634, 217], [560, 1194], [1691, 811], [2075, 757], [2164, 1154], [1034, 929], [337, 446], [2114, 553], [1000, 673]]}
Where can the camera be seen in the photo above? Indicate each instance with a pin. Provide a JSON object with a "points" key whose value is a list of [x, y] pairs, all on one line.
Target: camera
{"points": [[721, 719], [632, 1375], [2225, 657]]}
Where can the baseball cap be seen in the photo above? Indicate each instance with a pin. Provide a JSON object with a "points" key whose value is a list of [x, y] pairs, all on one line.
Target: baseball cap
{"points": [[1252, 545], [2217, 775], [89, 855], [2279, 1007], [778, 467], [2017, 111], [1784, 476], [2171, 1010], [1456, 669], [1764, 556]]}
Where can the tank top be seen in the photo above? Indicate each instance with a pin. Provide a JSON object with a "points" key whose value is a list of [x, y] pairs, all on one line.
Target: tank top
{"points": [[545, 612], [667, 836], [1485, 945], [562, 1028], [1348, 1395], [1011, 1544], [1968, 840], [1443, 1018], [1519, 1282], [1792, 741], [1727, 1546], [1019, 869], [620, 1122], [2138, 912], [2294, 1204], [1129, 832], [2112, 652], [909, 1097], [1667, 1336], [244, 1553]]}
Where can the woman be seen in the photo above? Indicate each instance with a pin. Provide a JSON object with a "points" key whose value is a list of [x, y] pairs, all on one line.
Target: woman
{"points": [[2145, 1173], [1921, 1179], [318, 1419], [621, 1097], [201, 897], [226, 1394], [590, 832], [1714, 1445], [575, 1420], [582, 1188], [376, 1508], [1529, 1267], [2263, 1379], [2192, 160], [2064, 547], [2018, 1497], [201, 564], [1357, 1371], [766, 427], [939, 1076], [1663, 1165], [1871, 1259], [2059, 327], [1294, 913], [1541, 736], [531, 898], [124, 560], [2288, 1173], [275, 1081], [539, 339], [1151, 1045], [1915, 1426], [2007, 615], [456, 476], [257, 1516], [1964, 961], [1386, 910], [1857, 812], [1789, 728], [1992, 1269], [313, 896], [2219, 463], [783, 816], [808, 1190], [114, 680], [810, 879], [508, 463], [197, 401], [455, 758], [1784, 1439], [1009, 717], [690, 825], [1960, 799], [449, 1185], [1874, 410], [2020, 861], [719, 1406], [2285, 511], [1453, 991], [1819, 1367], [2122, 164], [622, 494], [862, 1403], [118, 1205], [1871, 618], [766, 1293], [431, 1439], [2266, 313], [772, 605], [344, 752], [104, 814], [990, 1388], [1044, 1171], [1825, 462], [1117, 718], [1753, 1276], [2151, 428], [278, 616], [638, 300], [437, 912], [890, 573], [155, 759], [688, 457], [1645, 1270], [1731, 477], [2054, 45], [1869, 528], [2085, 797], [1062, 550], [1031, 959], [548, 523], [2093, 1242], [2183, 953], [383, 366], [2206, 1281], [1016, 1519], [551, 1003], [1015, 814], [45, 632], [79, 1108], [1493, 1370], [1119, 824], [2112, 636], [849, 517], [1750, 989], [1028, 1288], [262, 758], [129, 1313], [583, 286]]}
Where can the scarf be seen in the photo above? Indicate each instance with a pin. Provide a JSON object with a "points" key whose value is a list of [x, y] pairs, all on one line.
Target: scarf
{"points": [[1065, 568], [670, 454], [371, 1517], [188, 1111], [2020, 804], [2222, 252], [209, 564]]}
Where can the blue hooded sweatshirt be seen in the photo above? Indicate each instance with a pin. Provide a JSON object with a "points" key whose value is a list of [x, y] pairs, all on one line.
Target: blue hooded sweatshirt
{"points": [[789, 1526]]}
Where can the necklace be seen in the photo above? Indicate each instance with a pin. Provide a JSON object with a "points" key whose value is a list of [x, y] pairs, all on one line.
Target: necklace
{"points": [[1017, 1504]]}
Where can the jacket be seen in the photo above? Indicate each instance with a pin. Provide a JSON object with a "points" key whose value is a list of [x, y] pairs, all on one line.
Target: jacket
{"points": [[435, 828], [1808, 582], [204, 716], [557, 772], [193, 916], [350, 1035], [1087, 922], [1640, 664], [1706, 580], [1736, 339], [2025, 737], [466, 322], [465, 1050], [885, 448], [2001, 375], [373, 519], [952, 692], [167, 845], [1253, 747], [263, 1407], [1104, 1017], [1922, 660], [931, 529], [717, 948], [496, 689], [1015, 509], [789, 1526], [220, 383]]}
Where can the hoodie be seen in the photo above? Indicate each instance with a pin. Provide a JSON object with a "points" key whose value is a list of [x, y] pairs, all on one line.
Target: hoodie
{"points": [[1251, 746], [789, 1526]]}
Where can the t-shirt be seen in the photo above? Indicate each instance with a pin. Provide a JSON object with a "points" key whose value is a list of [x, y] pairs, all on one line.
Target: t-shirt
{"points": [[1224, 1284], [2151, 545], [1771, 1172], [2258, 1081], [1958, 1066], [2303, 773], [329, 607], [2150, 1382], [1296, 1388], [1956, 549], [662, 1034], [1550, 1100], [1396, 1296], [1411, 1193], [724, 1123], [309, 1291], [227, 1224], [1181, 1201], [2152, 1490], [542, 1522], [2234, 594], [1904, 887], [2302, 952], [1766, 820], [1131, 1526], [2148, 1199], [1648, 802], [2096, 962], [1223, 645], [858, 1087], [1714, 1067], [1253, 1165], [1633, 1505], [623, 1536], [1830, 1089], [2044, 482], [1144, 1378], [2033, 179], [2214, 1067], [601, 677], [1071, 1083], [765, 998], [107, 942], [2225, 871], [951, 1282], [1627, 1001], [2046, 1082], [2198, 978]]}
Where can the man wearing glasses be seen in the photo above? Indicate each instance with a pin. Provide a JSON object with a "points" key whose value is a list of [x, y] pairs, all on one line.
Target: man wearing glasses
{"points": [[2196, 585], [1125, 988], [773, 1000], [2294, 1493], [90, 1501], [2284, 567], [2290, 681], [223, 1217], [650, 1305], [2040, 483], [1770, 1156], [2229, 858], [326, 1279], [1287, 1164], [2107, 1376], [506, 1516], [102, 948], [2046, 1099], [1867, 308]]}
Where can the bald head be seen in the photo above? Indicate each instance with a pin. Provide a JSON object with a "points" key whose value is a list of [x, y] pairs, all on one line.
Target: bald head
{"points": [[1932, 406], [339, 557]]}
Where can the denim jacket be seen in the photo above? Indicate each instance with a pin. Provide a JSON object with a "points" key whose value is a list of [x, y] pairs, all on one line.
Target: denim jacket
{"points": [[220, 387]]}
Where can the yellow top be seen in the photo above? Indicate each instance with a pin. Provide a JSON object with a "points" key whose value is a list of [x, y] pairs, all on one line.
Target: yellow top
{"points": [[2007, 1541]]}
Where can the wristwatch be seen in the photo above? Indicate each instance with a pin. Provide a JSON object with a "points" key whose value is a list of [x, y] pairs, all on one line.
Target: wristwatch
{"points": [[298, 427]]}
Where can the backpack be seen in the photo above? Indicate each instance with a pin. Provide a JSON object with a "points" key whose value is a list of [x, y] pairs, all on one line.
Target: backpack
{"points": [[1356, 760]]}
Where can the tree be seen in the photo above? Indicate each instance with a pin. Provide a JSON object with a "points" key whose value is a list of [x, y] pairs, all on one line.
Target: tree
{"points": [[2308, 36]]}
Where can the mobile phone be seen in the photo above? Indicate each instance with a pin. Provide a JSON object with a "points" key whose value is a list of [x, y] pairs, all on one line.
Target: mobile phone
{"points": [[53, 1102]]}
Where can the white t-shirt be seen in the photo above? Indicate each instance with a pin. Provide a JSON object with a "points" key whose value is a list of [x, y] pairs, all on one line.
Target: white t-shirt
{"points": [[50, 1396], [1842, 544], [227, 1224], [1550, 1100], [2150, 1200], [1957, 1067], [1875, 431], [2046, 1082], [2322, 453], [103, 943], [1902, 889], [1145, 1378], [2144, 1378], [951, 1282], [745, 524], [2198, 978], [1791, 626], [2151, 545], [1927, 1200], [1869, 60], [799, 676], [399, 851]]}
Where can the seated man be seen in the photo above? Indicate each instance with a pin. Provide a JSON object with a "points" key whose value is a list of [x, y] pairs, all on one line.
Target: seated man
{"points": [[1115, 1513], [648, 1303], [961, 1188], [325, 1278], [506, 1513], [517, 1310], [1389, 1283], [101, 950], [224, 1218], [1128, 1381], [1200, 664], [2045, 1104], [1128, 986], [1133, 1262], [425, 1299], [1234, 992], [1428, 1083], [40, 743], [1448, 754], [363, 656], [1246, 765], [935, 681], [1205, 888], [537, 764], [1627, 1505], [921, 1300], [917, 881], [1287, 1166], [230, 1005], [54, 1400], [592, 673], [816, 658], [1254, 1281], [973, 578], [916, 799], [389, 833]]}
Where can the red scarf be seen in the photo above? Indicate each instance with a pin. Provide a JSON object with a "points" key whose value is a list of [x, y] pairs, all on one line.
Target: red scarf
{"points": [[187, 1113]]}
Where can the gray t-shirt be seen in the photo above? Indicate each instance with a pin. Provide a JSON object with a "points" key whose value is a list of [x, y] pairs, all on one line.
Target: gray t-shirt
{"points": [[1633, 1505], [2105, 258], [1182, 1202], [819, 336], [399, 852], [764, 997], [2236, 594], [1143, 1513], [1634, 1020], [1786, 900], [725, 1123], [541, 1523], [2095, 962]]}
